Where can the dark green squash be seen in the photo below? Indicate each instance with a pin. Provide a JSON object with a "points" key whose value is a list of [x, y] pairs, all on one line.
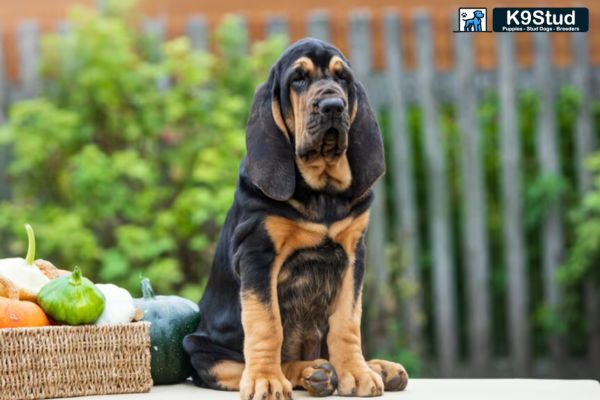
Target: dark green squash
{"points": [[172, 317]]}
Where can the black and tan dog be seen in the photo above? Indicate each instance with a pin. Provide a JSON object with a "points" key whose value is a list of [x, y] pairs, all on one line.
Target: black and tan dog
{"points": [[282, 306]]}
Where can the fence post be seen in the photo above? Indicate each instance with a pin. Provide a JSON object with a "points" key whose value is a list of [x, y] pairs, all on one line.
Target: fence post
{"points": [[277, 25], [360, 55], [29, 51], [514, 250], [401, 167], [197, 31], [548, 160], [475, 241], [585, 144], [444, 301], [4, 100], [102, 6], [154, 28], [63, 28], [318, 25], [4, 85], [244, 45]]}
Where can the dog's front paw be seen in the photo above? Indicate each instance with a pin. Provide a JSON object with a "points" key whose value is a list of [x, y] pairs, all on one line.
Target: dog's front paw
{"points": [[393, 374], [319, 379], [357, 379], [262, 385]]}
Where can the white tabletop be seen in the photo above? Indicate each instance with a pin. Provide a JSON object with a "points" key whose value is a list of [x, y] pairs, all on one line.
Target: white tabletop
{"points": [[418, 389]]}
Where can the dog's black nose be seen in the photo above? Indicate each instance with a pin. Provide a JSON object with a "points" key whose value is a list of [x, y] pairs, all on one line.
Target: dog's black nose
{"points": [[331, 105]]}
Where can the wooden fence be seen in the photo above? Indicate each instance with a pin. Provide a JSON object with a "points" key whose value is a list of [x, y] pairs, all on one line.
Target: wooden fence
{"points": [[395, 89]]}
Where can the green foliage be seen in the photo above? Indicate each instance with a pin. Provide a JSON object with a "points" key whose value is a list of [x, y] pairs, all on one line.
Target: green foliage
{"points": [[585, 252], [127, 162], [538, 193], [581, 265], [585, 218]]}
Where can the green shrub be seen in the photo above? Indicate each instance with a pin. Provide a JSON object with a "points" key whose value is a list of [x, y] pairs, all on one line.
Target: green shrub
{"points": [[126, 163], [584, 253], [580, 268]]}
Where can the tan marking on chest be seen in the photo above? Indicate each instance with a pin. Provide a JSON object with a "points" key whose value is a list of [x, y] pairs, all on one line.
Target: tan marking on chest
{"points": [[288, 235], [348, 231]]}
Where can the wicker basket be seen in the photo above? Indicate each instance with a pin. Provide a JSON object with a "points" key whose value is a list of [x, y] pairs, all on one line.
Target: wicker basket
{"points": [[67, 361]]}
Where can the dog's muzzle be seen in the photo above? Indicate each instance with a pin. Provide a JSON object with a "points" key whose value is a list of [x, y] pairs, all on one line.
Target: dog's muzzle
{"points": [[335, 137], [327, 129]]}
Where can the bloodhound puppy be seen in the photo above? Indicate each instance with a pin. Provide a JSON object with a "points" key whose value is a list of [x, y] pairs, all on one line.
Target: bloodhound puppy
{"points": [[282, 306]]}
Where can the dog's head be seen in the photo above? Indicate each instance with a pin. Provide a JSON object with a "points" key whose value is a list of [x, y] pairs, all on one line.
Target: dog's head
{"points": [[478, 14], [312, 115]]}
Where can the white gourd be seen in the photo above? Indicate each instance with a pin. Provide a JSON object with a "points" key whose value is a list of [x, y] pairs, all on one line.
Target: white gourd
{"points": [[118, 308]]}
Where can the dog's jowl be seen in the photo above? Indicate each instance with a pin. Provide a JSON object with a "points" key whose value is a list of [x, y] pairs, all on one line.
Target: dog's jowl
{"points": [[282, 306]]}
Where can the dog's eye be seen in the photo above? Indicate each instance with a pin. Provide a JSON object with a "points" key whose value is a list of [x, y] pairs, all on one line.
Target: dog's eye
{"points": [[299, 81], [344, 77]]}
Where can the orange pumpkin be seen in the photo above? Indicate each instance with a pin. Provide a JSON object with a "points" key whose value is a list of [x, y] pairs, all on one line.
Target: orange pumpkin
{"points": [[15, 313]]}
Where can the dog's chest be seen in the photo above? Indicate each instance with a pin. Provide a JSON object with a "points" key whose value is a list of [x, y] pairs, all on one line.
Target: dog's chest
{"points": [[309, 281], [311, 259]]}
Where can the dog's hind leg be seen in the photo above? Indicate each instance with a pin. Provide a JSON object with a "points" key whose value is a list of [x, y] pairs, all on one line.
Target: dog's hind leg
{"points": [[214, 366], [393, 374], [226, 375], [219, 375], [317, 377]]}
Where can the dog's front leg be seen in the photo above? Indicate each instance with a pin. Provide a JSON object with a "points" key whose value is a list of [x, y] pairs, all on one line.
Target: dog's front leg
{"points": [[260, 262], [263, 334], [355, 378]]}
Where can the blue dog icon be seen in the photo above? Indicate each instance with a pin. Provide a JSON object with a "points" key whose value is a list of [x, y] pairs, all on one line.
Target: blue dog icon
{"points": [[473, 24]]}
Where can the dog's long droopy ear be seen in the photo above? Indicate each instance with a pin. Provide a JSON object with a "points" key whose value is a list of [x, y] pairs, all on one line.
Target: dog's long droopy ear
{"points": [[365, 146], [270, 153]]}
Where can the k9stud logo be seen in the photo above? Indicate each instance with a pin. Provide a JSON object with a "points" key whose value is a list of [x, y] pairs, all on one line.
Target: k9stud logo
{"points": [[541, 19], [472, 19]]}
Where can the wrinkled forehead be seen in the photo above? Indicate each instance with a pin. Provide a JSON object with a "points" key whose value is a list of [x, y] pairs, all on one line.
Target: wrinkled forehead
{"points": [[312, 55]]}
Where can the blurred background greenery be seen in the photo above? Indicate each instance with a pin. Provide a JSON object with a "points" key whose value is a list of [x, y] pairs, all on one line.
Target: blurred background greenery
{"points": [[121, 178], [126, 164]]}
